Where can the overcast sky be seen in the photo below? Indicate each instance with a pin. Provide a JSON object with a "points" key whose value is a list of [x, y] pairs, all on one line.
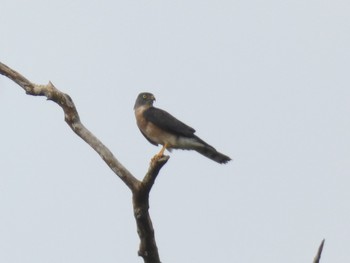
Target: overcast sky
{"points": [[265, 82]]}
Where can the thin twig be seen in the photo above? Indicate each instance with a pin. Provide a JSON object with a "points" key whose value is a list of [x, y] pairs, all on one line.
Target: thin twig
{"points": [[319, 252]]}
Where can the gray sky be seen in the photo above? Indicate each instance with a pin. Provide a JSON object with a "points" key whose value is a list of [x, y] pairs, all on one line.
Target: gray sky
{"points": [[265, 82]]}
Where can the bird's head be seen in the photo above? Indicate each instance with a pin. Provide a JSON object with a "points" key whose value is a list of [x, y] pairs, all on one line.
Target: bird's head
{"points": [[144, 99]]}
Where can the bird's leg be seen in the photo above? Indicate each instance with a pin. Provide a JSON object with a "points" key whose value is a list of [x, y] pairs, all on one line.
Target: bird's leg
{"points": [[161, 153]]}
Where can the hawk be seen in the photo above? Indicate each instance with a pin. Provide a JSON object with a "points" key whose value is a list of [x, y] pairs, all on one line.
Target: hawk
{"points": [[160, 127]]}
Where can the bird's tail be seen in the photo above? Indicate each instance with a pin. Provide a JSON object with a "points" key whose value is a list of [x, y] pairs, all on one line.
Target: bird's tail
{"points": [[211, 153]]}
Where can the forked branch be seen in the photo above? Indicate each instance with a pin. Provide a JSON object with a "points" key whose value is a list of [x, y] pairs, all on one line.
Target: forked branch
{"points": [[140, 189]]}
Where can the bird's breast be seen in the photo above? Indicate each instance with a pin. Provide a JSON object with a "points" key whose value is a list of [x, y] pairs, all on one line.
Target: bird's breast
{"points": [[153, 132]]}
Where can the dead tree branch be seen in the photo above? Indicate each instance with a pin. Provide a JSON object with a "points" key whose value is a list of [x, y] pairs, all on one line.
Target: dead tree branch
{"points": [[319, 252], [140, 199], [140, 189]]}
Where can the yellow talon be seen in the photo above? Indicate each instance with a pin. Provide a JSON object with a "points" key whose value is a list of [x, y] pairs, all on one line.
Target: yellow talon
{"points": [[160, 154]]}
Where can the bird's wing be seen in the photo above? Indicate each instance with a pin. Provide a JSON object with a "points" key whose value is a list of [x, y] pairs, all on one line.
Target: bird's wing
{"points": [[167, 122]]}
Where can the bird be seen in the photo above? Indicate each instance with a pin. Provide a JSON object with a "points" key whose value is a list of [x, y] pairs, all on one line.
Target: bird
{"points": [[160, 127]]}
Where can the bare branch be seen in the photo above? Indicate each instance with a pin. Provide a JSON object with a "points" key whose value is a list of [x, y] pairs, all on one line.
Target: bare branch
{"points": [[319, 252], [148, 248], [16, 77], [73, 120], [140, 190], [154, 168]]}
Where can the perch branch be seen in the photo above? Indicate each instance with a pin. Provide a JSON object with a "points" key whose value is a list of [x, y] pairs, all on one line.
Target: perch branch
{"points": [[151, 175], [141, 212], [140, 189], [319, 252]]}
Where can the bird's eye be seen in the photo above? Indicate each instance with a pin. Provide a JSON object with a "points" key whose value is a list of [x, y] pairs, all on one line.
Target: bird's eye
{"points": [[144, 96]]}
